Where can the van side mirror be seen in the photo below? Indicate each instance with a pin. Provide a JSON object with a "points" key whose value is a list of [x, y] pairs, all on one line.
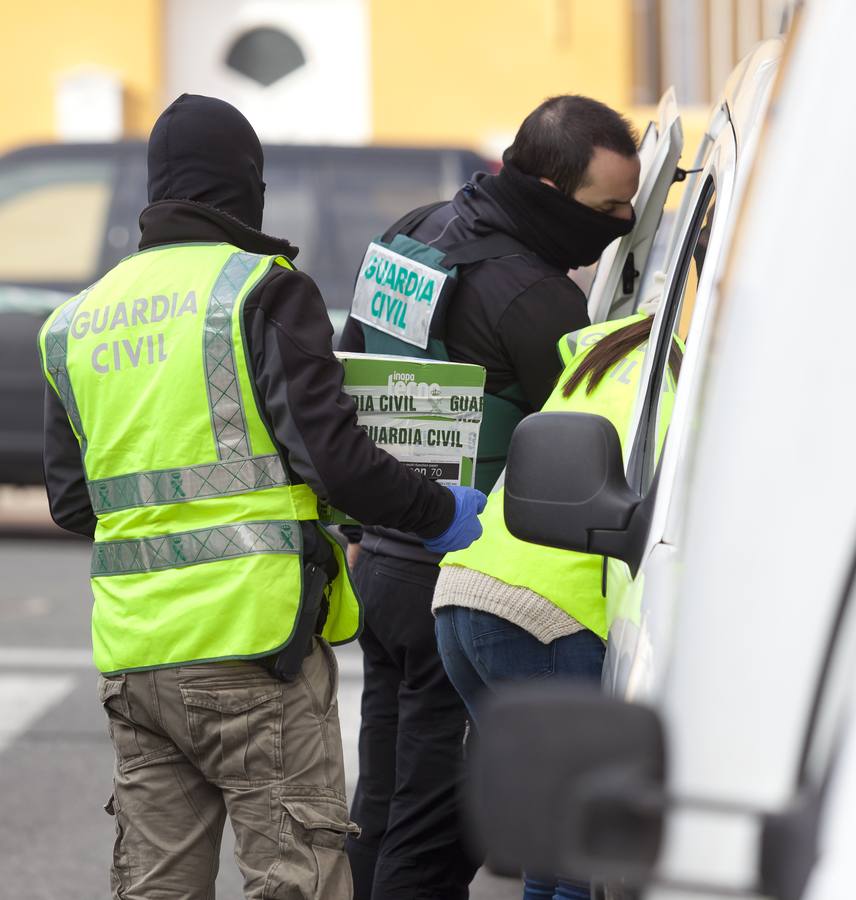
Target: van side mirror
{"points": [[563, 779], [565, 487]]}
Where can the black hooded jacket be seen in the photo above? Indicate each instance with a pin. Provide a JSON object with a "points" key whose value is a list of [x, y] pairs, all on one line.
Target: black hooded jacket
{"points": [[507, 314], [200, 152]]}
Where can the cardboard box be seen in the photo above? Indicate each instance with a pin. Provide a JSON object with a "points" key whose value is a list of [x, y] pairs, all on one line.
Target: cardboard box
{"points": [[426, 413]]}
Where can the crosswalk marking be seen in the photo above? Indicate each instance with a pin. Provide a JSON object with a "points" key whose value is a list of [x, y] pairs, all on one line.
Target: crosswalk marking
{"points": [[24, 698], [46, 658]]}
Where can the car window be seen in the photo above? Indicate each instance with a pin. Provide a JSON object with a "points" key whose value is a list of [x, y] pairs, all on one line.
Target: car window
{"points": [[292, 210], [53, 216], [333, 204], [673, 339]]}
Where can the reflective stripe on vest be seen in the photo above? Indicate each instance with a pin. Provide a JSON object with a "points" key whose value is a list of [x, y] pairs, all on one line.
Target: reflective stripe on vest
{"points": [[171, 551], [200, 560], [571, 581], [56, 361], [224, 395], [189, 483]]}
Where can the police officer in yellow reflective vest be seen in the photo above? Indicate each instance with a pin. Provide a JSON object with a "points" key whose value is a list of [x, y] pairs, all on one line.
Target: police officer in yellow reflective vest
{"points": [[194, 415], [507, 610]]}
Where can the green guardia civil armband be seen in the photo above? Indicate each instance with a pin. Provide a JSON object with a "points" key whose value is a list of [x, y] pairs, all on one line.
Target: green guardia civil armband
{"points": [[401, 288]]}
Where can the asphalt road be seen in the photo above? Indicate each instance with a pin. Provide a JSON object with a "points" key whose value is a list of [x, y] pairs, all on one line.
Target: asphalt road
{"points": [[55, 759]]}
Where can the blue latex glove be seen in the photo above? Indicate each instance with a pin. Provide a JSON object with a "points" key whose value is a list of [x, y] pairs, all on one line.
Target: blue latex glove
{"points": [[465, 527]]}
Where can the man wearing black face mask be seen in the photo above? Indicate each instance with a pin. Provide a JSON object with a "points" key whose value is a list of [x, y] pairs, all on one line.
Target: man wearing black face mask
{"points": [[564, 193]]}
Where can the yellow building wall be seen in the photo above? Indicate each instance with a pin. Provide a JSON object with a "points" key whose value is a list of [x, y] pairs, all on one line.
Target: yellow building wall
{"points": [[41, 39], [468, 71], [462, 72]]}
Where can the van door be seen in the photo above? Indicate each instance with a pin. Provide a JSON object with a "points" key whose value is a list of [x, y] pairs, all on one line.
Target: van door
{"points": [[619, 273], [635, 639]]}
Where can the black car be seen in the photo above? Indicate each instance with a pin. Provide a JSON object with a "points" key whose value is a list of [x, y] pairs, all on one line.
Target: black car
{"points": [[68, 213]]}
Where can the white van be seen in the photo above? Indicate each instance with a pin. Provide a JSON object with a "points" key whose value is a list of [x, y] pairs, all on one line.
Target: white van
{"points": [[738, 777], [639, 583], [658, 261]]}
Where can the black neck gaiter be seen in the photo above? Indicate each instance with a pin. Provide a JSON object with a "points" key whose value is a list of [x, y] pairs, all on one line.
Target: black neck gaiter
{"points": [[561, 231]]}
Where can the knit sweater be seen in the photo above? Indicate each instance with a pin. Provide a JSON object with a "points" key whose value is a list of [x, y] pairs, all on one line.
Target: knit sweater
{"points": [[460, 586]]}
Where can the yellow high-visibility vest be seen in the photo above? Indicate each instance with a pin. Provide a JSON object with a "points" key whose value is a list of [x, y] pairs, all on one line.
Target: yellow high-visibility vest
{"points": [[198, 546], [572, 581]]}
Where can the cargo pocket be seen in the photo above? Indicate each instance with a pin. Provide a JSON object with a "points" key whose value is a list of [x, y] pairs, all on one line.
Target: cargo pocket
{"points": [[120, 867], [320, 675], [313, 865], [236, 731], [123, 734]]}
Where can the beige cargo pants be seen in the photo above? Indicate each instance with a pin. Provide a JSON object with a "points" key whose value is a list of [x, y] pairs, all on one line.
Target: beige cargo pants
{"points": [[196, 743]]}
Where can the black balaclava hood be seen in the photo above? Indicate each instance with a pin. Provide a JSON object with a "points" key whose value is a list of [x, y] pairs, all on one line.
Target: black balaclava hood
{"points": [[562, 231], [203, 149]]}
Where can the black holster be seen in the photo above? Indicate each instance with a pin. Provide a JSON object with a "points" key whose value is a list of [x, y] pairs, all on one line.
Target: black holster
{"points": [[287, 663]]}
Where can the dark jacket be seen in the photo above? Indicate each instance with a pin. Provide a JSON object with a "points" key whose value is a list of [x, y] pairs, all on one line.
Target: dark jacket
{"points": [[506, 314], [205, 184], [298, 382]]}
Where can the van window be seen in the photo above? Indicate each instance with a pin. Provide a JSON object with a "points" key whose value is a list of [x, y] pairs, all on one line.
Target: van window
{"points": [[674, 336], [53, 216]]}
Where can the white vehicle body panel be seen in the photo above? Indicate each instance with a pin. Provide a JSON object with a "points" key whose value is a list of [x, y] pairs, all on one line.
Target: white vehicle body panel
{"points": [[833, 877], [643, 647], [770, 518]]}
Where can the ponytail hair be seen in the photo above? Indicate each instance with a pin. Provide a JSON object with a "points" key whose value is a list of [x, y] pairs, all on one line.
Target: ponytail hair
{"points": [[612, 348]]}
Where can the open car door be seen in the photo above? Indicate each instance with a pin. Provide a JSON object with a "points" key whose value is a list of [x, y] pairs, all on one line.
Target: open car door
{"points": [[620, 270]]}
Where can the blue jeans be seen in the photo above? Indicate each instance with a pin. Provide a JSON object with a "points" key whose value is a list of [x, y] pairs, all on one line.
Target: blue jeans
{"points": [[480, 651]]}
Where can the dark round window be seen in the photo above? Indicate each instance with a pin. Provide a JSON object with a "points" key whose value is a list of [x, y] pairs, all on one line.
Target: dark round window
{"points": [[265, 55]]}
